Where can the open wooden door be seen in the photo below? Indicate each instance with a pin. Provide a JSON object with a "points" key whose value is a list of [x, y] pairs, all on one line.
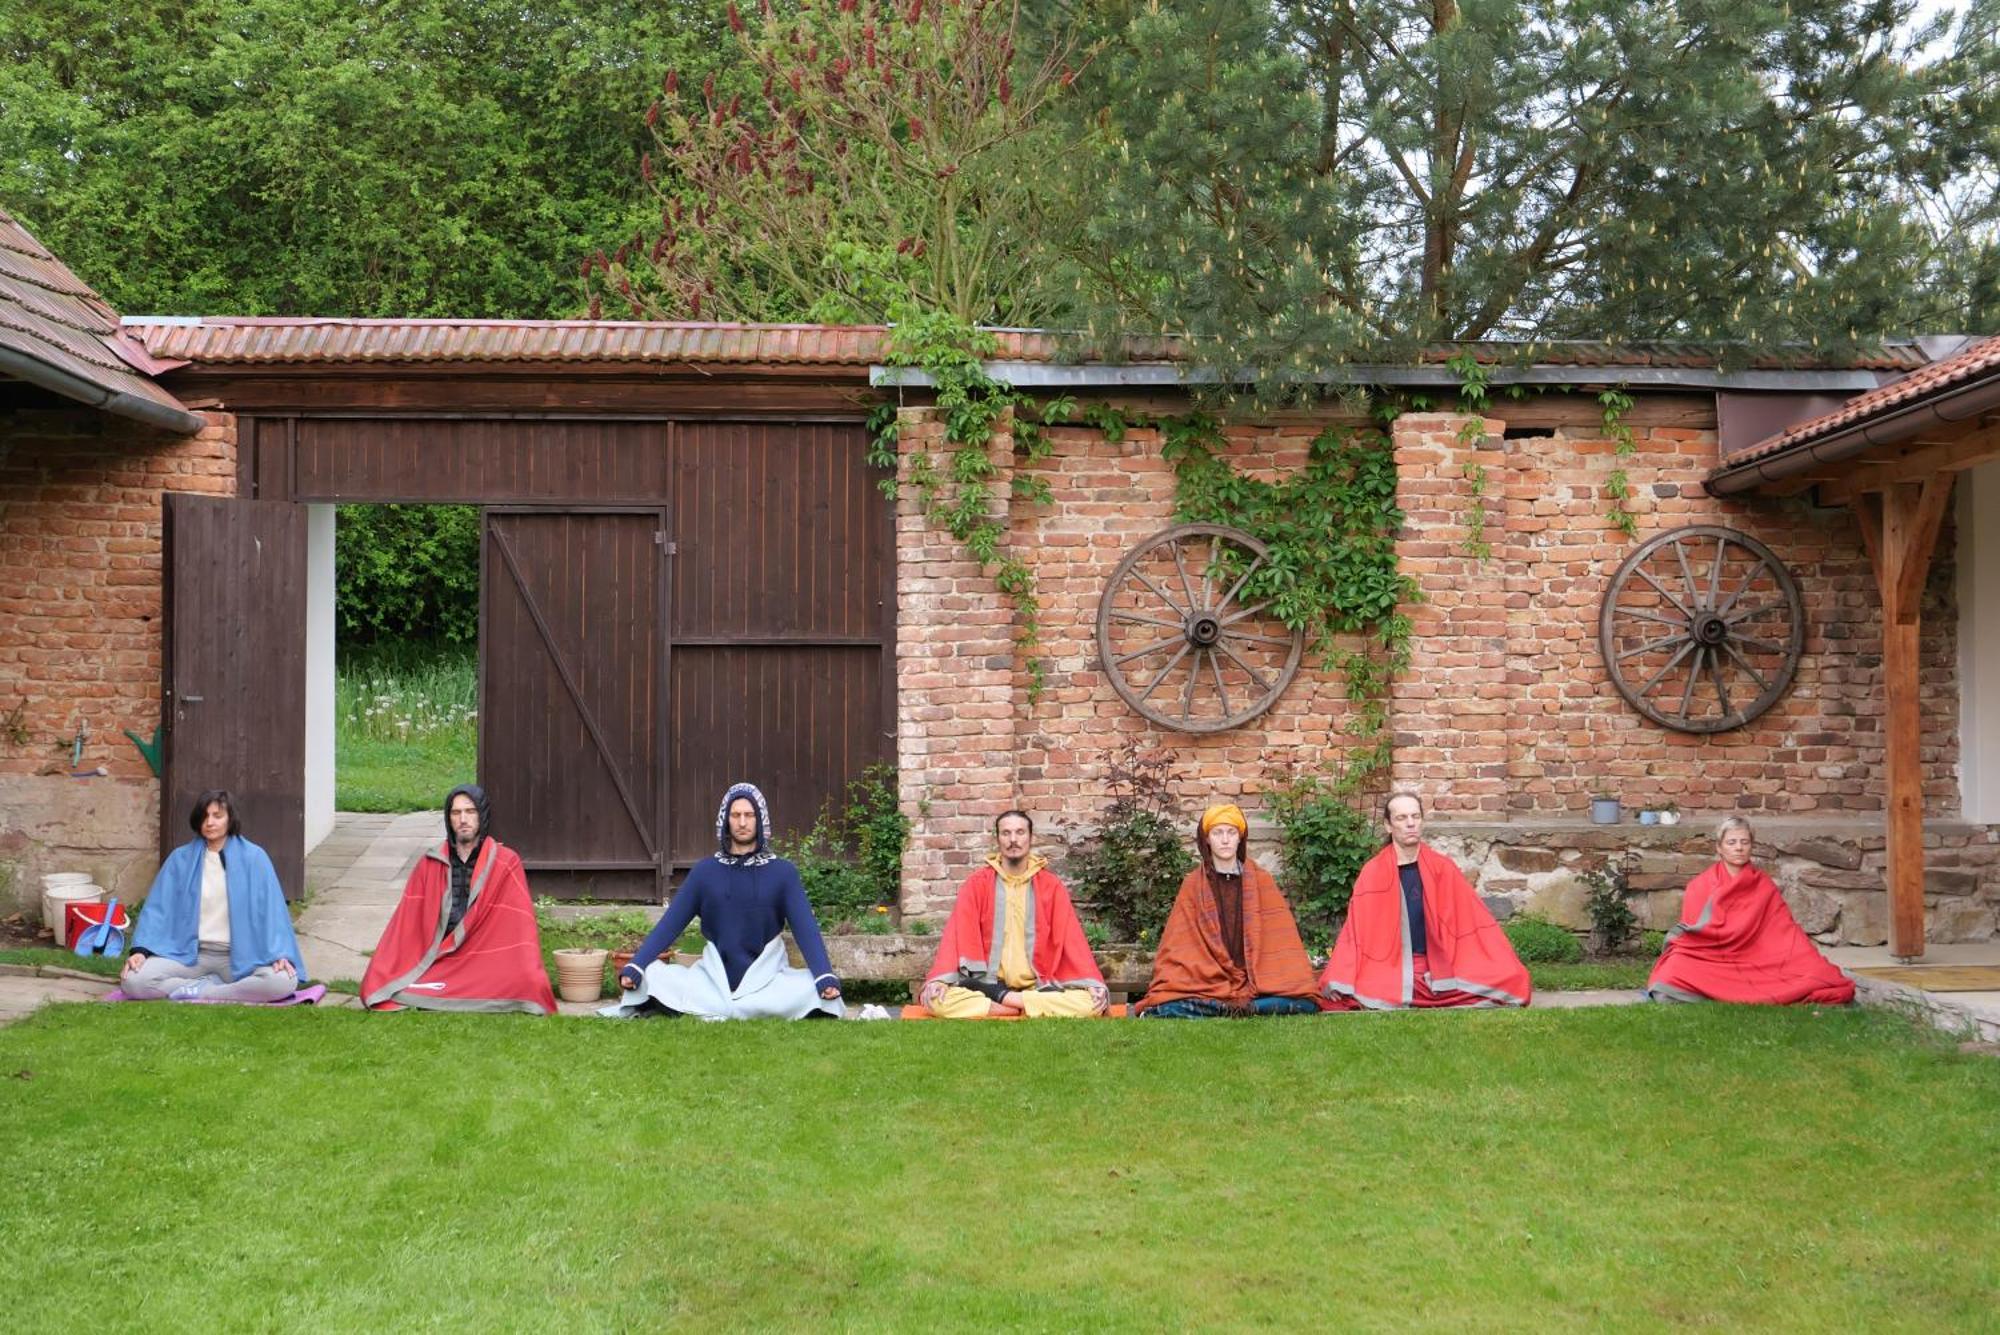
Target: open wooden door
{"points": [[572, 679], [234, 700]]}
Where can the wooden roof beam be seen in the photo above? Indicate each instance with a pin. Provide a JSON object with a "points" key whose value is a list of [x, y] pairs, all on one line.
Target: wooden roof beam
{"points": [[1926, 460]]}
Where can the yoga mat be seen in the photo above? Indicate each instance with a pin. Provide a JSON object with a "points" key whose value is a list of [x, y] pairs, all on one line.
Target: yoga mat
{"points": [[309, 996], [919, 1013]]}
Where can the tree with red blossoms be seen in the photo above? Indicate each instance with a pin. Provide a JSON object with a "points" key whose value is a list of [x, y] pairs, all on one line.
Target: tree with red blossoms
{"points": [[877, 159]]}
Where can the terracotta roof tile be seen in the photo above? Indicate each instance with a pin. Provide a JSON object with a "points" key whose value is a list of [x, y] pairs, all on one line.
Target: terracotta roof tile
{"points": [[1978, 359], [51, 316]]}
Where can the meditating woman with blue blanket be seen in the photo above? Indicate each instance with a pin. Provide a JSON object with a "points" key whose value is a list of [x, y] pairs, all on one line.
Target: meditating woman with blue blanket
{"points": [[214, 926]]}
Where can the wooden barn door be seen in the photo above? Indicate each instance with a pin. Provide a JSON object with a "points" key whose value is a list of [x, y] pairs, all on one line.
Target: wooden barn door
{"points": [[572, 680], [234, 700], [783, 629]]}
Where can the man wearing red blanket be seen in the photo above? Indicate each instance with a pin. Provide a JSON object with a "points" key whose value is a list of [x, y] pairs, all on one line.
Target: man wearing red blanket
{"points": [[1736, 940], [463, 938], [1416, 934]]}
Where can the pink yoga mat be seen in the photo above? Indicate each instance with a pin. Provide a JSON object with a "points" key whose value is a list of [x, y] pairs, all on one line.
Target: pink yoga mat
{"points": [[307, 996]]}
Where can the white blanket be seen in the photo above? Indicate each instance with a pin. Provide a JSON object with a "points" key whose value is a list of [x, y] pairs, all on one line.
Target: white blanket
{"points": [[771, 989]]}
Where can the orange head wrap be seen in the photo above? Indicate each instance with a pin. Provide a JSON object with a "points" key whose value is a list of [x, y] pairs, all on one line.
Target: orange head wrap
{"points": [[1224, 813]]}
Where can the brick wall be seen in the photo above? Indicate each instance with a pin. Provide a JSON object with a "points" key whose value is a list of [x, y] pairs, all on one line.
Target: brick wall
{"points": [[1507, 711], [1509, 696], [80, 600]]}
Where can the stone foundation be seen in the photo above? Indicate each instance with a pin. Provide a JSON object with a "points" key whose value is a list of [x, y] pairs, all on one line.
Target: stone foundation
{"points": [[107, 827], [1831, 872]]}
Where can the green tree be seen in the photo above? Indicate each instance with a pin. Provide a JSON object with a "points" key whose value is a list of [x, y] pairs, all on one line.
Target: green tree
{"points": [[334, 157], [862, 158], [1303, 180]]}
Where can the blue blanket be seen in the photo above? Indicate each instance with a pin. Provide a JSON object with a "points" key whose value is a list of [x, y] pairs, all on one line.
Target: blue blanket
{"points": [[260, 927]]}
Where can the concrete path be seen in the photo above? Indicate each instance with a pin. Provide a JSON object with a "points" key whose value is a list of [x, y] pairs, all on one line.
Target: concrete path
{"points": [[353, 880]]}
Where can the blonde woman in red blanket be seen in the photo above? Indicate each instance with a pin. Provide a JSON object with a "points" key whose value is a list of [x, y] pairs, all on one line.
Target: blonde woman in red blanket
{"points": [[1416, 934], [1737, 940]]}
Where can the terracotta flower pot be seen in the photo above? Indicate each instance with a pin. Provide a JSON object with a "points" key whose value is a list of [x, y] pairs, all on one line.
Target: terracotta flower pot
{"points": [[580, 974]]}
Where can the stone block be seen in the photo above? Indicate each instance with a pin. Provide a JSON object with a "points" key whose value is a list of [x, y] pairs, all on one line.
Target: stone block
{"points": [[1950, 881], [1833, 878], [1563, 902], [1864, 918], [1816, 910], [1656, 910], [1954, 920], [1518, 859], [1826, 852], [1500, 906]]}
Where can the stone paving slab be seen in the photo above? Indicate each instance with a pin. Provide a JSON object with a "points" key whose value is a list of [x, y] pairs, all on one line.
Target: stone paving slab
{"points": [[358, 890]]}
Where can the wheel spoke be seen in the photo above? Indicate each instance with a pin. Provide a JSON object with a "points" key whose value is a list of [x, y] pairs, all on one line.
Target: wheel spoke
{"points": [[1749, 578], [1143, 695], [1258, 639], [1181, 567], [1138, 620], [1721, 691], [1208, 571], [1753, 612], [1694, 671], [1159, 592], [1237, 587], [1687, 575], [1246, 612], [1152, 648], [1252, 673], [1650, 645], [1221, 691], [1744, 663], [1679, 623], [1665, 668], [1715, 571], [1187, 696], [1678, 606]]}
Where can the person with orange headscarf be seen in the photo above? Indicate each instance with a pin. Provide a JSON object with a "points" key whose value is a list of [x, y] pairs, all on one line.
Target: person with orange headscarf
{"points": [[1231, 945]]}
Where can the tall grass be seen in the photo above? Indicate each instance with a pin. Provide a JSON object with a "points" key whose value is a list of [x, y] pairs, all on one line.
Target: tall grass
{"points": [[406, 725]]}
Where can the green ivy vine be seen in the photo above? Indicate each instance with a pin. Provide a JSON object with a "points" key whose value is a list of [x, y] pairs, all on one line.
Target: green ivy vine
{"points": [[1616, 403], [958, 495]]}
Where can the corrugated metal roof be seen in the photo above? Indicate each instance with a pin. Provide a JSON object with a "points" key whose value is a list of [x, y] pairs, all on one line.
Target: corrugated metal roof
{"points": [[225, 341], [1971, 363], [51, 317]]}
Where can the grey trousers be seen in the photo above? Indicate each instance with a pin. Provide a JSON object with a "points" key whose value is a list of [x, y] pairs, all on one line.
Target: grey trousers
{"points": [[158, 976]]}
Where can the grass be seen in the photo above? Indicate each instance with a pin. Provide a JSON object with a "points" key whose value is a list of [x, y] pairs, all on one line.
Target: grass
{"points": [[1627, 974], [62, 959], [406, 726], [1643, 1167]]}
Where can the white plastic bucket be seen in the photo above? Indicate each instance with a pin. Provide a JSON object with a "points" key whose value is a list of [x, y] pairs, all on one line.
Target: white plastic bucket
{"points": [[56, 901], [57, 880]]}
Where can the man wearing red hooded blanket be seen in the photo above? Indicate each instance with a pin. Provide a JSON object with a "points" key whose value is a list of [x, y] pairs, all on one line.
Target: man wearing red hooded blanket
{"points": [[1737, 941], [1416, 934], [1013, 945], [463, 938]]}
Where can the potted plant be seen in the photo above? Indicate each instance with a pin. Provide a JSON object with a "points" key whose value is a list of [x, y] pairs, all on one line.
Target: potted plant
{"points": [[1670, 812], [1604, 809]]}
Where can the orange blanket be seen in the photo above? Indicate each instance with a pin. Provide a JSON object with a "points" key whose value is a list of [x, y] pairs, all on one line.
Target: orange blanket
{"points": [[1471, 961], [1194, 961], [1737, 941]]}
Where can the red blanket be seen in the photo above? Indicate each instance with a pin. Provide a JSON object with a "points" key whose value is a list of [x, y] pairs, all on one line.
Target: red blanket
{"points": [[1471, 962], [492, 961], [1056, 945], [1737, 941]]}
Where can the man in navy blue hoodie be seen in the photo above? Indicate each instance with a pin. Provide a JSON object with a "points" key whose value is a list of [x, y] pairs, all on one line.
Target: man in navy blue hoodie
{"points": [[745, 897]]}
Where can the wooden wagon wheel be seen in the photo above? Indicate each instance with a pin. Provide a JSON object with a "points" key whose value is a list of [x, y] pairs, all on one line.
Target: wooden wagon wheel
{"points": [[1702, 629], [1178, 640]]}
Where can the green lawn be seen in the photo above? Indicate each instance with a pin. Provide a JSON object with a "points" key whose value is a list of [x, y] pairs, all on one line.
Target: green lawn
{"points": [[1642, 1167], [406, 726]]}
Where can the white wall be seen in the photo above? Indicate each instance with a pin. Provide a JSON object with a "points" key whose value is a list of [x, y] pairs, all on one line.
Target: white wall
{"points": [[319, 674], [1979, 642]]}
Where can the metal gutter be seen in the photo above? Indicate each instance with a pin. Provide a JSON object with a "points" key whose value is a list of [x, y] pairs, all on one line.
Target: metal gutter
{"points": [[1951, 407], [1154, 375], [115, 401]]}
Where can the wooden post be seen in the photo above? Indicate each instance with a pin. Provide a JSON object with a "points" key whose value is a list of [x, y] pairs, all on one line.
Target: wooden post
{"points": [[1900, 527]]}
